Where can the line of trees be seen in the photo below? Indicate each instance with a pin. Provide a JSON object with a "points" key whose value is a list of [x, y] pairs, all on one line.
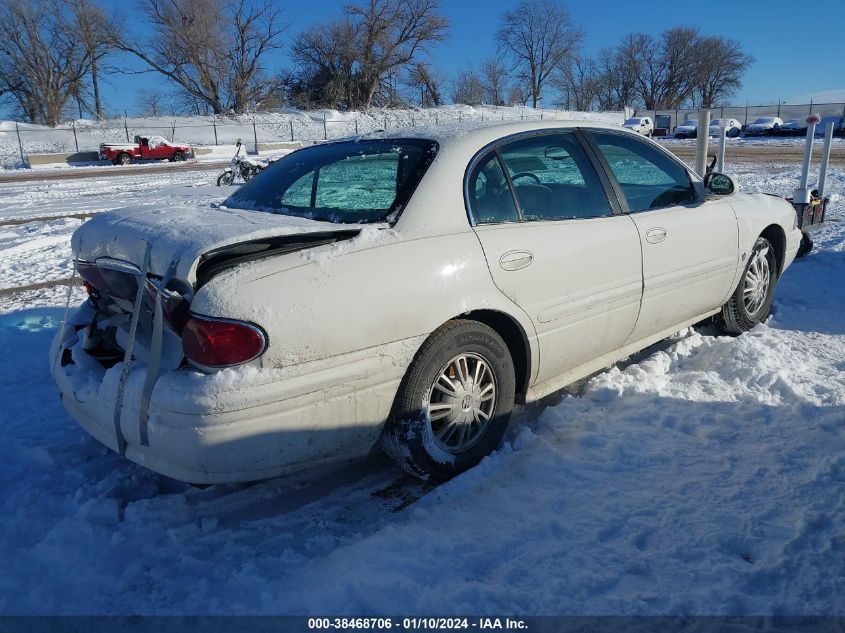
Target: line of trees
{"points": [[215, 54]]}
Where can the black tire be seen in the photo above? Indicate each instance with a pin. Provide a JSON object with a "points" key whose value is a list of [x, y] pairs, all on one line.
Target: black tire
{"points": [[178, 157], [733, 133], [123, 159], [226, 178], [805, 247], [408, 436], [736, 317]]}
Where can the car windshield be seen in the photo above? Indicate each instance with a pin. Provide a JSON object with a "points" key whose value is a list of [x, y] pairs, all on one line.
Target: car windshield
{"points": [[344, 182], [632, 122], [690, 123], [765, 119], [716, 122]]}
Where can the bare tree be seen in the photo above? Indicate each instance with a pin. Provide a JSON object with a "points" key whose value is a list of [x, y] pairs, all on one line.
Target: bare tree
{"points": [[392, 33], [93, 29], [722, 63], [468, 87], [539, 37], [616, 76], [668, 66], [578, 84], [326, 56], [42, 60], [495, 77], [348, 62], [423, 79], [679, 67], [150, 103], [518, 95], [212, 49]]}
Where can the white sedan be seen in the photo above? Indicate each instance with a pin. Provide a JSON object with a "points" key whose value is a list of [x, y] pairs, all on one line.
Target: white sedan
{"points": [[641, 124], [763, 126], [732, 126], [406, 289], [687, 129]]}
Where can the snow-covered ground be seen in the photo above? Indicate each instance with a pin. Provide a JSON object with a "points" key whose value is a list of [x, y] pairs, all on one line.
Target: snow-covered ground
{"points": [[221, 133], [703, 476]]}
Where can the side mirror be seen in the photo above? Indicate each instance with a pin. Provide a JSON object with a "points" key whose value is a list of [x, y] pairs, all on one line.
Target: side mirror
{"points": [[719, 184]]}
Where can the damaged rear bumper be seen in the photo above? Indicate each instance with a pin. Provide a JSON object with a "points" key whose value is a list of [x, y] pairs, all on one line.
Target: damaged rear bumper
{"points": [[241, 424]]}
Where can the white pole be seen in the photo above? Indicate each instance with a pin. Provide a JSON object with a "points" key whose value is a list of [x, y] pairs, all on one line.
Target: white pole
{"points": [[720, 159], [802, 194], [828, 138], [701, 133]]}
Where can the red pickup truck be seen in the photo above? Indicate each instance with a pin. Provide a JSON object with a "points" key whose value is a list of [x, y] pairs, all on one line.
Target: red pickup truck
{"points": [[152, 148]]}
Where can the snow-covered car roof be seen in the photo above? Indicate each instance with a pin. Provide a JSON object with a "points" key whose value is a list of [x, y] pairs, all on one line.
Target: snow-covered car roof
{"points": [[479, 132]]}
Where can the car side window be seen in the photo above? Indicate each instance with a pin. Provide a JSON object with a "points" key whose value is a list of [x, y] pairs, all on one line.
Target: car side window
{"points": [[553, 178], [490, 197], [648, 178]]}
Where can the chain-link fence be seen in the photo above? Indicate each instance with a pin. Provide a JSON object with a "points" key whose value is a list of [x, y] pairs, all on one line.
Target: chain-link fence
{"points": [[258, 129], [749, 113]]}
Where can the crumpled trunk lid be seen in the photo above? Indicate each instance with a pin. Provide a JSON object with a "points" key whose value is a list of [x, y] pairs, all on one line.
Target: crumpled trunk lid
{"points": [[180, 238]]}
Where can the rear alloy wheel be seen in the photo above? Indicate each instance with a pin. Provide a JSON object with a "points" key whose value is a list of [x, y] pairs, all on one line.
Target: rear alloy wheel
{"points": [[123, 159], [454, 404], [751, 302]]}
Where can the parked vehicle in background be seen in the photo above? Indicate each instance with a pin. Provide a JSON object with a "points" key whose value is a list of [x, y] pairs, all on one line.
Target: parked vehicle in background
{"points": [[793, 127], [763, 126], [838, 123], [242, 165], [733, 127], [152, 148], [641, 125], [409, 287], [687, 129]]}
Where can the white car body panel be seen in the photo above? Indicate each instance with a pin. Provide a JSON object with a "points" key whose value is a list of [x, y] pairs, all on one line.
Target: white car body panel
{"points": [[691, 269], [582, 290], [345, 320], [762, 127]]}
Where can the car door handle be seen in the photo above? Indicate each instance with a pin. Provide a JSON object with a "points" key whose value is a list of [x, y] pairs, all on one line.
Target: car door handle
{"points": [[514, 260], [655, 236]]}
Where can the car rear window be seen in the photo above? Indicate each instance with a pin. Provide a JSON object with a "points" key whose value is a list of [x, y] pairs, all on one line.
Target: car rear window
{"points": [[344, 182]]}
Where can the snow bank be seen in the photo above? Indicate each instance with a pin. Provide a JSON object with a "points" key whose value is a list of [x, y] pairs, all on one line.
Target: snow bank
{"points": [[703, 476]]}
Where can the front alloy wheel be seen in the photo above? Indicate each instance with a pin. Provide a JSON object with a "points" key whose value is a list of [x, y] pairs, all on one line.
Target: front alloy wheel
{"points": [[755, 284], [751, 302]]}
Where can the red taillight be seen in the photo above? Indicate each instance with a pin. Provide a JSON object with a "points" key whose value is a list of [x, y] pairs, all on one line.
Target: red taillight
{"points": [[221, 342]]}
